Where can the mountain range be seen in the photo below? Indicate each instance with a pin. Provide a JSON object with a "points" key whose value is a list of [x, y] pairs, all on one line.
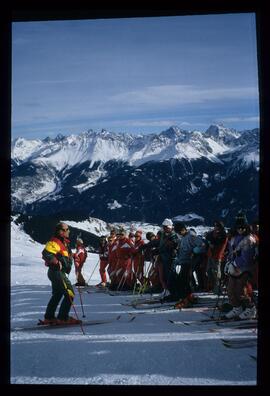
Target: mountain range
{"points": [[125, 177]]}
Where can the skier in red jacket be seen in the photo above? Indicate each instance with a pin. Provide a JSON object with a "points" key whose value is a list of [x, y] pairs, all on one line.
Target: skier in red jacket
{"points": [[217, 241], [79, 260], [103, 260], [137, 256], [125, 277], [112, 260]]}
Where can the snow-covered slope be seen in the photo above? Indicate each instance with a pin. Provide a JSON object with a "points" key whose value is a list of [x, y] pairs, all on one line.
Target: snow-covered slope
{"points": [[27, 264], [149, 350]]}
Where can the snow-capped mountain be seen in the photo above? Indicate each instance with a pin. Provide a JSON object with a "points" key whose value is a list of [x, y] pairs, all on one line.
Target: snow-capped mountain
{"points": [[124, 177], [67, 151]]}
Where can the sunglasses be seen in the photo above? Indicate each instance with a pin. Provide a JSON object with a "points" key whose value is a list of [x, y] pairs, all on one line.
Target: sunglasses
{"points": [[64, 229]]}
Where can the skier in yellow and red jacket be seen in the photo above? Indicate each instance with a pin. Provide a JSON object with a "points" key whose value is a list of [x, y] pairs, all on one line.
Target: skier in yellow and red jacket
{"points": [[58, 258]]}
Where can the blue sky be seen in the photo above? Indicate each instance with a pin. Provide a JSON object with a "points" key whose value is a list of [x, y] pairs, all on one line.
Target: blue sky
{"points": [[134, 74]]}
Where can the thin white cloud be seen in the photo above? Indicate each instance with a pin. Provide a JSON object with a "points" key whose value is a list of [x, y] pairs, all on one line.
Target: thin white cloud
{"points": [[173, 95], [240, 119], [152, 123], [52, 82]]}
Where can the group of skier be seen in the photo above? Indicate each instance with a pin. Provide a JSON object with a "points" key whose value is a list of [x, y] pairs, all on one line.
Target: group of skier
{"points": [[175, 262]]}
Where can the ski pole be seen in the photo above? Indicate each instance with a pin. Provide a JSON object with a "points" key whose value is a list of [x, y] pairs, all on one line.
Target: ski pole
{"points": [[80, 294], [146, 278], [135, 283], [136, 277], [71, 296], [126, 273], [121, 281], [224, 295], [93, 271], [151, 267], [221, 284], [217, 299], [142, 278]]}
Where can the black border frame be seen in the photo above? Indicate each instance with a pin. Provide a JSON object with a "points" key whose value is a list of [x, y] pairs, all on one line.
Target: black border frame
{"points": [[35, 11]]}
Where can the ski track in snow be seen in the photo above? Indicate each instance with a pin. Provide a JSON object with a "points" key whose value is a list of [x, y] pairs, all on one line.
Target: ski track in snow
{"points": [[147, 351], [110, 379]]}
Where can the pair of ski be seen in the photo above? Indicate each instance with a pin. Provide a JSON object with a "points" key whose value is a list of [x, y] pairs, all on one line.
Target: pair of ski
{"points": [[154, 305], [153, 310], [92, 289], [240, 323], [237, 343], [167, 304], [121, 293], [158, 300], [41, 326], [235, 325]]}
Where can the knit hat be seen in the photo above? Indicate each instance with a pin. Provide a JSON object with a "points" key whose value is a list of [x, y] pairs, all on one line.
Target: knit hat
{"points": [[240, 219], [179, 225], [149, 235], [167, 222], [218, 224]]}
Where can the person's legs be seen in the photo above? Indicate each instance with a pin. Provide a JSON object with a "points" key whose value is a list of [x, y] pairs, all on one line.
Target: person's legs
{"points": [[80, 278], [183, 281], [216, 274], [238, 297], [102, 270], [67, 301], [160, 268], [57, 293], [211, 273]]}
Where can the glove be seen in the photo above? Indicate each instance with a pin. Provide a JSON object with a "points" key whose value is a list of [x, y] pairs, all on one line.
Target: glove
{"points": [[178, 269], [55, 264], [226, 268]]}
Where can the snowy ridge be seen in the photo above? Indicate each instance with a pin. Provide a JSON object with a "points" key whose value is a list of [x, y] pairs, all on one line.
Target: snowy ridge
{"points": [[99, 227], [65, 152], [95, 226]]}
